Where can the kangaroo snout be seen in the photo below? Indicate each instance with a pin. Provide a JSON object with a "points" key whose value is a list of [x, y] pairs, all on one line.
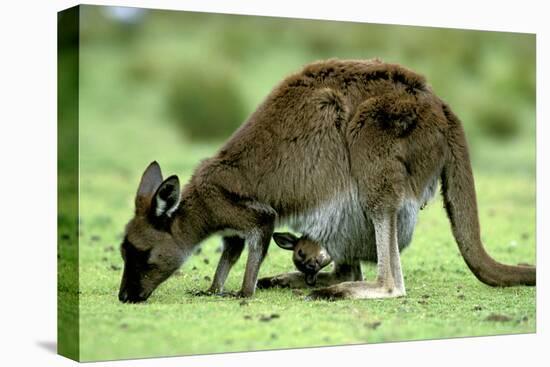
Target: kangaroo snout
{"points": [[312, 266], [132, 297], [123, 296]]}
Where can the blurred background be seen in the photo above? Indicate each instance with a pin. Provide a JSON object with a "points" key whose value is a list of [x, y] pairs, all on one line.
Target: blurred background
{"points": [[200, 75], [173, 85]]}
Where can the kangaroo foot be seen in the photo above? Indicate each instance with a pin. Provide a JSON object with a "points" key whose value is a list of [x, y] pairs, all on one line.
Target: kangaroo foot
{"points": [[356, 290]]}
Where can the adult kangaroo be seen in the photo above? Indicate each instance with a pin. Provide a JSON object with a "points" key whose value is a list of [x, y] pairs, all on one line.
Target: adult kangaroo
{"points": [[337, 150]]}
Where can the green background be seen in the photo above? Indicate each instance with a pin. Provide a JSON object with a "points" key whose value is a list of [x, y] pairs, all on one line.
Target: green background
{"points": [[138, 73]]}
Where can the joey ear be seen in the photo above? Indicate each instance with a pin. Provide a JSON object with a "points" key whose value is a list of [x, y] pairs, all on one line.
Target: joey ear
{"points": [[167, 197], [150, 181], [285, 240]]}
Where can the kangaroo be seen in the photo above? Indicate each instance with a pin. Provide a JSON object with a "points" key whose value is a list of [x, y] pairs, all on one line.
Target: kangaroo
{"points": [[337, 151], [351, 269], [308, 256]]}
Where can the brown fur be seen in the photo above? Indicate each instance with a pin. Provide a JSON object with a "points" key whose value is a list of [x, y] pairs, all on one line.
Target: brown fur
{"points": [[335, 125], [308, 256]]}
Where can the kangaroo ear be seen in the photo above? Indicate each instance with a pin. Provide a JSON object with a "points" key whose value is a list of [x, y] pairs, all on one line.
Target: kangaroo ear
{"points": [[150, 181], [167, 197], [285, 240]]}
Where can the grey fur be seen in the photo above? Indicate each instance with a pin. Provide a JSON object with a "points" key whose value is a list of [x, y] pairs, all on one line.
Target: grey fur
{"points": [[345, 229]]}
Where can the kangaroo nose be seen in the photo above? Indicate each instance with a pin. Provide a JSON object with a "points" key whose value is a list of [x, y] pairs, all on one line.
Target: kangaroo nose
{"points": [[311, 266], [123, 296]]}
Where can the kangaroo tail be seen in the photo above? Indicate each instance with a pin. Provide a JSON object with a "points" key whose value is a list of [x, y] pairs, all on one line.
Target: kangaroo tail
{"points": [[460, 203]]}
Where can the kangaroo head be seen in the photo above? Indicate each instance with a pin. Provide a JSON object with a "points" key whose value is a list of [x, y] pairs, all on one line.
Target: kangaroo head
{"points": [[149, 251], [308, 256]]}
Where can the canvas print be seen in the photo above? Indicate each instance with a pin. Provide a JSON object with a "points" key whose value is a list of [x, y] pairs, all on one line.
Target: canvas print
{"points": [[243, 183]]}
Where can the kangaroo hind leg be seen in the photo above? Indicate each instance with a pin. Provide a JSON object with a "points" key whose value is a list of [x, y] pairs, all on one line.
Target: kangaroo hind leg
{"points": [[389, 281]]}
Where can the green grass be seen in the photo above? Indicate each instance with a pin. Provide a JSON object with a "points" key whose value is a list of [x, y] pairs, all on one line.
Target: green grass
{"points": [[125, 124], [444, 299]]}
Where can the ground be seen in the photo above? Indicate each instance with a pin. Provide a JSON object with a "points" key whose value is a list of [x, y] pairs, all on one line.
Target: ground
{"points": [[444, 300]]}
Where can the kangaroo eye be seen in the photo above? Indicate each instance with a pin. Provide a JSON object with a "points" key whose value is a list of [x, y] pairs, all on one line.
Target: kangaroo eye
{"points": [[301, 254]]}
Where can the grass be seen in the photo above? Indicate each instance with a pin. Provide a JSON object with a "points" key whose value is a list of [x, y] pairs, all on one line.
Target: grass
{"points": [[124, 125], [444, 299]]}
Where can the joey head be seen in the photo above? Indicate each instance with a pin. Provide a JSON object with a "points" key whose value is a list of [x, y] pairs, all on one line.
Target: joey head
{"points": [[308, 256]]}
